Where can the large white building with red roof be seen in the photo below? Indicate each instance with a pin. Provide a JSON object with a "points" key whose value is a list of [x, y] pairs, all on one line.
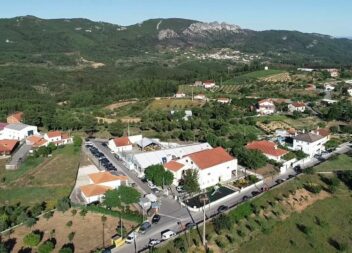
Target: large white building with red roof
{"points": [[58, 138], [268, 148], [213, 165], [120, 144], [266, 106]]}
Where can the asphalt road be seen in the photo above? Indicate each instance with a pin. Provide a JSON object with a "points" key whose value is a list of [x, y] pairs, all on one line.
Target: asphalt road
{"points": [[174, 216]]}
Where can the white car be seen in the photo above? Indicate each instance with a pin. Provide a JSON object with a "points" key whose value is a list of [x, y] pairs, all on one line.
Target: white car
{"points": [[180, 188], [131, 237], [167, 234], [153, 242], [151, 185]]}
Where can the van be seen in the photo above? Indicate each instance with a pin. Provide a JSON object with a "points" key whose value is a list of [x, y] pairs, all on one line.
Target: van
{"points": [[167, 234]]}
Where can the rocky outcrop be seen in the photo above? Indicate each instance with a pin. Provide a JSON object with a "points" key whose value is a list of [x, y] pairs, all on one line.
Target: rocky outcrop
{"points": [[204, 28], [167, 34]]}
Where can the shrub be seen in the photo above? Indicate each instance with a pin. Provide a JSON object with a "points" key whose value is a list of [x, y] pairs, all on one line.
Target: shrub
{"points": [[241, 212], [304, 229], [46, 247], [32, 239], [309, 171], [222, 222], [63, 204], [313, 188], [69, 223]]}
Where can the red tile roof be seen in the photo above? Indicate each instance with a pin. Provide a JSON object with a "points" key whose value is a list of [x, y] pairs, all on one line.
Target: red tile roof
{"points": [[269, 100], [36, 140], [94, 190], [210, 157], [122, 141], [298, 104], [103, 177], [323, 132], [266, 147], [53, 134], [209, 81], [173, 165], [7, 146]]}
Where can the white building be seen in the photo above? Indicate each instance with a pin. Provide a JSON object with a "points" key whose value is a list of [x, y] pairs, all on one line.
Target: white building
{"points": [[200, 96], [18, 131], [58, 138], [296, 107], [101, 182], [310, 143], [349, 91], [180, 95], [329, 87], [208, 84], [140, 161], [213, 165], [224, 100], [266, 106], [120, 144]]}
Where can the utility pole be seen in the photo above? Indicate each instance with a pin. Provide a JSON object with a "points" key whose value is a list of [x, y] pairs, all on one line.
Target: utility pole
{"points": [[192, 93], [204, 198]]}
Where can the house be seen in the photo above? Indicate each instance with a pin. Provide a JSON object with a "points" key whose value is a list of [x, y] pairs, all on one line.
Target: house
{"points": [[7, 146], [224, 100], [349, 91], [310, 87], [198, 83], [310, 143], [2, 126], [120, 144], [18, 131], [329, 87], [58, 138], [100, 182], [213, 165], [333, 72], [305, 69], [268, 148], [200, 96], [208, 84], [266, 106], [180, 95], [324, 132], [36, 141], [297, 107], [15, 118]]}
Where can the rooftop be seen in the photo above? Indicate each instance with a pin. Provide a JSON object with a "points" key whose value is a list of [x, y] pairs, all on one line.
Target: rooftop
{"points": [[308, 137], [94, 190], [17, 127], [122, 141], [266, 147], [173, 165], [7, 145], [53, 134], [298, 104], [211, 157], [103, 177]]}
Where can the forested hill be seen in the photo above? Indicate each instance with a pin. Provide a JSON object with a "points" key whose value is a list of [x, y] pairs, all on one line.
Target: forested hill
{"points": [[23, 38]]}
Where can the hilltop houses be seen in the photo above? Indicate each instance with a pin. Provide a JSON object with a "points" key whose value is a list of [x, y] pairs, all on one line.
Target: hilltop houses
{"points": [[266, 107], [213, 165], [296, 107], [200, 96]]}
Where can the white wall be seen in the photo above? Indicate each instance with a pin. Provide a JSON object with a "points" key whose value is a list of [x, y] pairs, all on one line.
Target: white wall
{"points": [[310, 149], [112, 146], [18, 134]]}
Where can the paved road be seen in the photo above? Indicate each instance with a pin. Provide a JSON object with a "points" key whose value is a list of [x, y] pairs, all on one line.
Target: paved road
{"points": [[20, 155], [172, 213]]}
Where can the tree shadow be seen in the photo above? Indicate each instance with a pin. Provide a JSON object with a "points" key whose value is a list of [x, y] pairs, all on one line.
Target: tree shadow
{"points": [[69, 245], [10, 244], [25, 250]]}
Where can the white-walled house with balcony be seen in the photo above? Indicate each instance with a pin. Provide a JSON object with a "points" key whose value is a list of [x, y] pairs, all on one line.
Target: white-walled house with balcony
{"points": [[266, 107], [214, 166], [310, 143]]}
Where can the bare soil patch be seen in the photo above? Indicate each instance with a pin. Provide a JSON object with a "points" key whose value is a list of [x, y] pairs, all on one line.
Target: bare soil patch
{"points": [[302, 199], [88, 231], [120, 104]]}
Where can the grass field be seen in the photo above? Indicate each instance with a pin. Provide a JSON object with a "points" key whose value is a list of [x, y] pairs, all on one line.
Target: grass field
{"points": [[287, 219], [262, 73], [41, 179], [167, 104], [187, 89], [341, 162]]}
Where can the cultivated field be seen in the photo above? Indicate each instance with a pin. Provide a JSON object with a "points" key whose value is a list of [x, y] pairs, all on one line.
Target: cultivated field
{"points": [[187, 89], [167, 104], [341, 162]]}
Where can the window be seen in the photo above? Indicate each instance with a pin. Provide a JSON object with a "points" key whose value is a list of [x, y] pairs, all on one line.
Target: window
{"points": [[209, 174]]}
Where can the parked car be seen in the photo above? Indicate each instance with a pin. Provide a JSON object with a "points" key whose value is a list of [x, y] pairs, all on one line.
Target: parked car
{"points": [[279, 181], [167, 234], [291, 176], [244, 198], [222, 208], [151, 184], [131, 237], [255, 193], [190, 225], [153, 242], [180, 188], [156, 218], [297, 169], [144, 227]]}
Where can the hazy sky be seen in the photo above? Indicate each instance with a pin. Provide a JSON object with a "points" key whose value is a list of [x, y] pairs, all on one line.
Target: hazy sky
{"points": [[332, 17]]}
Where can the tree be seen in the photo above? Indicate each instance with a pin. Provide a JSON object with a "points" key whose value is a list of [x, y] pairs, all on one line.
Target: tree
{"points": [[83, 212], [158, 175], [48, 215], [116, 128], [46, 247], [63, 204], [124, 195], [111, 199], [52, 147], [71, 236], [74, 212], [252, 159], [331, 144], [65, 249], [190, 181], [32, 239], [222, 222], [30, 222], [77, 141], [3, 248]]}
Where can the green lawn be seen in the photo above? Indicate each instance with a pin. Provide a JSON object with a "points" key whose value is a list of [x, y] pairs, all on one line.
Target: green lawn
{"points": [[341, 162], [41, 179], [263, 73]]}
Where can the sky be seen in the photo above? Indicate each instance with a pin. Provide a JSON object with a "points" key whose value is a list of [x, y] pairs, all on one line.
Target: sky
{"points": [[331, 17]]}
